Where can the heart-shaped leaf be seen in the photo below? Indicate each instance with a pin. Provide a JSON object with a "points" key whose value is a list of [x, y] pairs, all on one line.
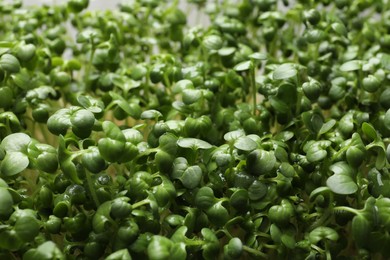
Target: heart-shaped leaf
{"points": [[13, 163], [321, 233], [16, 142], [233, 135], [342, 181]]}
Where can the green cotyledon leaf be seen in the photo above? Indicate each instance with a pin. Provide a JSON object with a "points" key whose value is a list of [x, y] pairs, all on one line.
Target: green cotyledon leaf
{"points": [[285, 71], [193, 143], [321, 233], [342, 181]]}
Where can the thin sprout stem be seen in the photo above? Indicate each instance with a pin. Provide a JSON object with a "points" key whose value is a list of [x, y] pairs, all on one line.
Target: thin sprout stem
{"points": [[254, 252], [92, 189]]}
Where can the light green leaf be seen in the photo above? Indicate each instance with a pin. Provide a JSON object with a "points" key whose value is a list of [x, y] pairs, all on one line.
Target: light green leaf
{"points": [[316, 154], [193, 143], [41, 92], [242, 66], [182, 85], [212, 42], [245, 143], [15, 142], [191, 177], [351, 65], [90, 103], [285, 71], [321, 233], [233, 135], [47, 250], [122, 254], [258, 56], [151, 114], [13, 163], [226, 51], [342, 182], [191, 96]]}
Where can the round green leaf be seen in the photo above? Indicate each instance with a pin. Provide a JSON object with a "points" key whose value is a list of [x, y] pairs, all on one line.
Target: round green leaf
{"points": [[287, 169], [257, 190], [182, 85], [151, 114], [193, 143], [82, 119], [316, 154], [27, 228], [285, 71], [204, 198], [245, 143], [191, 177], [13, 163], [9, 63], [218, 214], [315, 35], [258, 56], [112, 131], [242, 66], [159, 248], [213, 42], [226, 51], [191, 96], [234, 248], [16, 142], [59, 122], [233, 135], [46, 251], [351, 65], [260, 162]]}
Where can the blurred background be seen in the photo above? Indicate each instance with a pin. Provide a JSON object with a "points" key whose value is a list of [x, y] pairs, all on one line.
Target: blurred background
{"points": [[112, 4], [93, 4]]}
